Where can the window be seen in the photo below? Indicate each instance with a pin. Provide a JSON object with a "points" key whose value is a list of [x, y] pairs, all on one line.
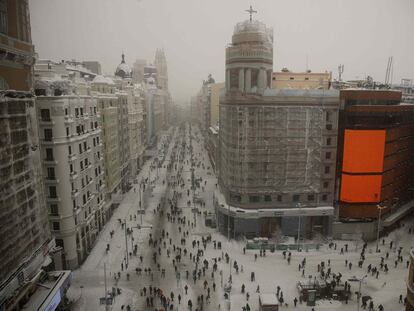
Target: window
{"points": [[3, 16], [96, 172], [56, 226], [84, 145], [268, 198], [97, 140], [324, 197], [54, 210], [81, 166], [328, 116], [23, 17], [327, 168], [328, 141], [45, 114], [66, 111], [49, 154], [51, 173], [254, 198], [81, 111], [80, 148], [279, 198], [84, 199], [70, 150], [52, 192], [311, 197], [96, 124], [67, 132], [86, 162], [71, 168], [325, 184], [292, 78], [306, 78], [296, 198], [59, 242], [74, 204], [329, 126], [48, 134], [76, 112], [327, 155]]}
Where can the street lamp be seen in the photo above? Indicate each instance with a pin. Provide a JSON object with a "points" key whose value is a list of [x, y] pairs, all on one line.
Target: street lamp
{"points": [[355, 279], [380, 208], [298, 205]]}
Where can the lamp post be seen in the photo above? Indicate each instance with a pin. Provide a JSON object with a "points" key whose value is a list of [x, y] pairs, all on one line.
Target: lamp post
{"points": [[299, 206], [380, 208], [355, 279], [126, 244]]}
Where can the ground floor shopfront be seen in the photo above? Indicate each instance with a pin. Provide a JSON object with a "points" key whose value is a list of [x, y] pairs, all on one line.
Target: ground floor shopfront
{"points": [[235, 222]]}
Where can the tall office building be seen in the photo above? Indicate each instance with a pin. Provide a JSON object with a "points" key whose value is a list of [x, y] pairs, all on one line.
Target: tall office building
{"points": [[277, 148], [160, 63]]}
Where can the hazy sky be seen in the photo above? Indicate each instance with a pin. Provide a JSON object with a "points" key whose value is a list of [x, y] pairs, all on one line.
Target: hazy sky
{"points": [[360, 34]]}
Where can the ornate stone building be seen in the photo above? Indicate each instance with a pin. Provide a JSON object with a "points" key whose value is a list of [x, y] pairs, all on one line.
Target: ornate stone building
{"points": [[276, 147]]}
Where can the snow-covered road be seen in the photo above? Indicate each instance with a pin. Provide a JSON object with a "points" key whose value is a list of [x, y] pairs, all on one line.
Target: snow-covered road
{"points": [[270, 271]]}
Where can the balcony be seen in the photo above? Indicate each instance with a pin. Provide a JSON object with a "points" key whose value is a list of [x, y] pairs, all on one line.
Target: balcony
{"points": [[46, 122], [73, 175], [51, 180], [53, 199], [75, 193], [72, 157], [68, 120], [48, 141], [50, 161]]}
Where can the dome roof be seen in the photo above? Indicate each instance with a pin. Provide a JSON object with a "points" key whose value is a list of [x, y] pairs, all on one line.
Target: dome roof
{"points": [[123, 70], [252, 31], [102, 79]]}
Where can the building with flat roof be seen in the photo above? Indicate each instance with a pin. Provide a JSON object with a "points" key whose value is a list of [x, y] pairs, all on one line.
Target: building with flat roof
{"points": [[375, 152], [286, 79]]}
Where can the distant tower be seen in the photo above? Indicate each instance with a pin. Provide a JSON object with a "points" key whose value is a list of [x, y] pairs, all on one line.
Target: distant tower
{"points": [[123, 70], [249, 57], [160, 63]]}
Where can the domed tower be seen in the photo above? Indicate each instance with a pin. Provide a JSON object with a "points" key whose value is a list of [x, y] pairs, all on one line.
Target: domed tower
{"points": [[123, 70], [249, 57]]}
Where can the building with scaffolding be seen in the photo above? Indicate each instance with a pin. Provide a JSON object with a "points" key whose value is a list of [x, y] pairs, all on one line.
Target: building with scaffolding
{"points": [[277, 148], [25, 239]]}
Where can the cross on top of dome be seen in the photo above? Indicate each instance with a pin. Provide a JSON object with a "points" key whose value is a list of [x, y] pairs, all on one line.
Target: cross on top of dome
{"points": [[251, 11]]}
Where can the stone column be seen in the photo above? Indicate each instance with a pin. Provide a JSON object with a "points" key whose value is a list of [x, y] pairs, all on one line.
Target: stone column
{"points": [[241, 80], [248, 80], [261, 81]]}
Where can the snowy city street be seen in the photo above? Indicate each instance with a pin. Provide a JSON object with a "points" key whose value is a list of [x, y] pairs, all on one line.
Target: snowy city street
{"points": [[177, 251]]}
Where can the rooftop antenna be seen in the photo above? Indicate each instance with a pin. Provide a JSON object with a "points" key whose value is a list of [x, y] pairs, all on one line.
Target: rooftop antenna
{"points": [[340, 72], [251, 11], [388, 71]]}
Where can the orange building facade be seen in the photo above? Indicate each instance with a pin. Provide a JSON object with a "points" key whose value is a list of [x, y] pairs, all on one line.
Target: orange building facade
{"points": [[375, 152]]}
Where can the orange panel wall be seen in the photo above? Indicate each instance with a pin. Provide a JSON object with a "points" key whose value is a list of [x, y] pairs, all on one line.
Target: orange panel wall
{"points": [[360, 188], [363, 151]]}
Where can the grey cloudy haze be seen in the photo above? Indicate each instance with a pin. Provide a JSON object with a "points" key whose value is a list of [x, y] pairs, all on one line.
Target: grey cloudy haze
{"points": [[360, 34]]}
